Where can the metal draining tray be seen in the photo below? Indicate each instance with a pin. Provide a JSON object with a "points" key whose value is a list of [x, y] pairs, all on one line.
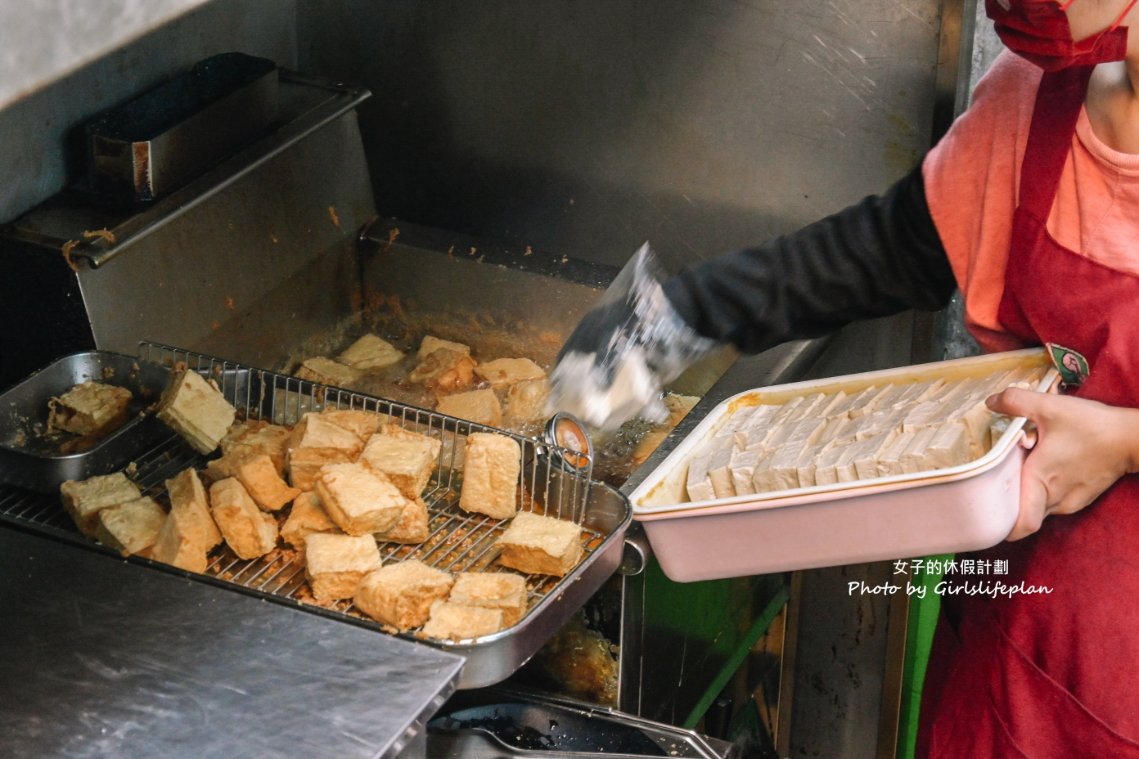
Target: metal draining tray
{"points": [[458, 541]]}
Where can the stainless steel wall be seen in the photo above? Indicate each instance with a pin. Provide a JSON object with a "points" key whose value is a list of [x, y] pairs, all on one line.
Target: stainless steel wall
{"points": [[50, 88], [587, 127]]}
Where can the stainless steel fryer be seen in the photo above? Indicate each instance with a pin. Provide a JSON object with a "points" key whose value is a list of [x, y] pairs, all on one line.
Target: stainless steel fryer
{"points": [[458, 541]]}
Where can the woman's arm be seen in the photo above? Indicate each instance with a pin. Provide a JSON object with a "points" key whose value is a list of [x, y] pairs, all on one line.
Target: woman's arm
{"points": [[1082, 448], [878, 257]]}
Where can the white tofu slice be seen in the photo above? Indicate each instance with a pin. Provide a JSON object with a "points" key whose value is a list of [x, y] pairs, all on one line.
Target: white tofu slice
{"points": [[890, 457], [755, 427], [913, 458], [825, 472], [743, 465], [866, 459], [720, 470], [698, 484], [951, 445]]}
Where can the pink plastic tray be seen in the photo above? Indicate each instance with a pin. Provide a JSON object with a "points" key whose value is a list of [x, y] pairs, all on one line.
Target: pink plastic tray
{"points": [[962, 508]]}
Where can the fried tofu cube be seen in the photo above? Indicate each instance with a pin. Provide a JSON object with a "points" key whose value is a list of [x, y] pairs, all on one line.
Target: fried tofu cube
{"points": [[358, 500], [176, 546], [188, 497], [252, 437], [430, 344], [401, 594], [130, 527], [449, 621], [370, 352], [407, 459], [363, 424], [196, 410], [412, 527], [92, 408], [445, 371], [83, 499], [335, 564], [505, 591], [306, 517], [526, 401], [320, 431], [305, 464], [491, 467], [263, 484], [248, 530], [503, 372], [536, 544], [479, 406], [327, 372]]}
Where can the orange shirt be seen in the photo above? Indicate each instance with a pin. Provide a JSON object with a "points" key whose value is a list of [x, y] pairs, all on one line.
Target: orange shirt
{"points": [[971, 183]]}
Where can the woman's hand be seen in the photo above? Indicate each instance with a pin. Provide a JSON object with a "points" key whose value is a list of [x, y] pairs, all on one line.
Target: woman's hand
{"points": [[1082, 448]]}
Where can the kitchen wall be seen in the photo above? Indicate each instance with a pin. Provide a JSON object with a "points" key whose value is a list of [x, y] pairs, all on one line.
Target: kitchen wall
{"points": [[62, 61], [588, 127]]}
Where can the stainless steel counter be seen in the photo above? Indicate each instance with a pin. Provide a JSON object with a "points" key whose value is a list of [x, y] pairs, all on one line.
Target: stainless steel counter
{"points": [[105, 658]]}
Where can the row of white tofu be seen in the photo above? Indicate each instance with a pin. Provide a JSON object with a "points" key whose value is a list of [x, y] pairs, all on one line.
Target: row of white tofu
{"points": [[827, 438]]}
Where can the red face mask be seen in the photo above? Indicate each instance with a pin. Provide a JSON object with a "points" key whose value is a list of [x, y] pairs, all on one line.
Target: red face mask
{"points": [[1038, 30]]}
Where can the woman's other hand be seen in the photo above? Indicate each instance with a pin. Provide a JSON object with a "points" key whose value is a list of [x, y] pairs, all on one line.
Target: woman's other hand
{"points": [[1082, 448]]}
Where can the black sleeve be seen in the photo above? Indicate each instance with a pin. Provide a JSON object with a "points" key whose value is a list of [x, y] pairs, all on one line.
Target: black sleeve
{"points": [[878, 257]]}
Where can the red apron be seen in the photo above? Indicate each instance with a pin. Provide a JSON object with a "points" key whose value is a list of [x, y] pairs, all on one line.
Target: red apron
{"points": [[1057, 674]]}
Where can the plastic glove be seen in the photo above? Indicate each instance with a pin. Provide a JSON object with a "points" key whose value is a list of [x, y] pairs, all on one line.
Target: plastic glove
{"points": [[1082, 448], [617, 360]]}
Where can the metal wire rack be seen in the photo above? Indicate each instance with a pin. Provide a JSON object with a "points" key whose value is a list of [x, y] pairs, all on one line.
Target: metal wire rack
{"points": [[554, 481]]}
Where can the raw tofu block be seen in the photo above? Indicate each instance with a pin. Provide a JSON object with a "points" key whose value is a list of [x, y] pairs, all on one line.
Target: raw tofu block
{"points": [[492, 590], [951, 444], [430, 344], [358, 500], [327, 372], [890, 457], [370, 352], [188, 499], [176, 545], [83, 499], [836, 429], [503, 372], [526, 401], [306, 517], [867, 454], [450, 621], [445, 371], [263, 484], [401, 594], [826, 472], [130, 527], [479, 406], [407, 459], [720, 469], [913, 458], [305, 464], [912, 393], [781, 471], [91, 408], [250, 438], [536, 544], [925, 414], [698, 483], [363, 424], [335, 564], [491, 468], [977, 417], [248, 530], [319, 431], [755, 427], [196, 410], [743, 465], [412, 527]]}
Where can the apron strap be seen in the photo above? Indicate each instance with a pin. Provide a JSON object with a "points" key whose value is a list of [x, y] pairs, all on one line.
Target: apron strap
{"points": [[1058, 103]]}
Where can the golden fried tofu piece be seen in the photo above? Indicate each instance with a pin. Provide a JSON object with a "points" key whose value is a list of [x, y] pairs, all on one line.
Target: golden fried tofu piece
{"points": [[263, 484], [401, 594], [503, 372], [92, 409], [306, 517], [327, 372], [176, 546], [479, 406], [407, 458], [491, 467], [430, 344], [492, 590], [196, 410], [248, 530], [188, 497], [363, 424], [449, 621], [130, 527], [412, 527], [370, 352], [318, 430], [305, 464], [83, 499], [358, 500], [536, 544], [335, 564], [251, 437], [445, 371], [526, 401]]}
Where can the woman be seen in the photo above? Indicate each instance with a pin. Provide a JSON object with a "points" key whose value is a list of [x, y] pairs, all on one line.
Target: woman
{"points": [[1031, 206]]}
